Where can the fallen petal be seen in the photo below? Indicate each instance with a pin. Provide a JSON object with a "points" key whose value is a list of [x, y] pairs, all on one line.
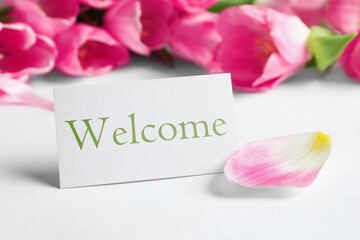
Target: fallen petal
{"points": [[13, 91], [278, 162]]}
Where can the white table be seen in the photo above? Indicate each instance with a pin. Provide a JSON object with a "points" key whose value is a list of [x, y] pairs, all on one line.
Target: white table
{"points": [[205, 207]]}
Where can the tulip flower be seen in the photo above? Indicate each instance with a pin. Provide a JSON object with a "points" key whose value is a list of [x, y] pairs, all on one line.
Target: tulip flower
{"points": [[85, 50], [46, 17], [285, 161], [350, 59], [142, 25], [23, 53], [261, 47], [195, 38]]}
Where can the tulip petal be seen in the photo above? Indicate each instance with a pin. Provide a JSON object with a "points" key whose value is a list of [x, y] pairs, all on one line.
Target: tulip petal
{"points": [[347, 57], [13, 91], [309, 11], [195, 38], [99, 4], [291, 46], [39, 59], [193, 6], [284, 161], [123, 22], [247, 18], [24, 53], [46, 17], [16, 36], [343, 15]]}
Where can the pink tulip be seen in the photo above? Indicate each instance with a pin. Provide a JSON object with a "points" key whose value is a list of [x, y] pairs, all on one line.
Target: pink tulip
{"points": [[309, 11], [46, 17], [13, 91], [350, 59], [193, 5], [85, 50], [100, 4], [195, 38], [261, 47], [23, 53], [142, 25], [343, 15]]}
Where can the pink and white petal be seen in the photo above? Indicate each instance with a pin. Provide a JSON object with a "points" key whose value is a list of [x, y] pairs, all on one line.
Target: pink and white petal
{"points": [[122, 21], [13, 91], [278, 162], [291, 46]]}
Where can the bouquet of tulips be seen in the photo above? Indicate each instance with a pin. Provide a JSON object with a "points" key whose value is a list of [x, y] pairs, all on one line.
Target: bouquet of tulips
{"points": [[261, 44]]}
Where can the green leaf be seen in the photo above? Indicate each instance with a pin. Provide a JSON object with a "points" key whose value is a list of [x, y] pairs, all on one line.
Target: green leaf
{"points": [[327, 47], [223, 4], [5, 10]]}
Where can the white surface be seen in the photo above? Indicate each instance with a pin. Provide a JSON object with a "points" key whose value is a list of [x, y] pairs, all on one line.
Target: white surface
{"points": [[206, 207], [158, 102]]}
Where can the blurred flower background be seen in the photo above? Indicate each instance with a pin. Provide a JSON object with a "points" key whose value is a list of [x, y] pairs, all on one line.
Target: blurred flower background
{"points": [[261, 43]]}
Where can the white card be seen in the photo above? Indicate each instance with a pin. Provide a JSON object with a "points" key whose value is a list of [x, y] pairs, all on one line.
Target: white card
{"points": [[143, 130]]}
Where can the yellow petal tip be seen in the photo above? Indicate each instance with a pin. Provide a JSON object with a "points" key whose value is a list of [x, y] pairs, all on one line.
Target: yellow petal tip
{"points": [[322, 141]]}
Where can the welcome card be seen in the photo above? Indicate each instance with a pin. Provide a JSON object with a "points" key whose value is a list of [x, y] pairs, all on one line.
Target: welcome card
{"points": [[143, 130]]}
